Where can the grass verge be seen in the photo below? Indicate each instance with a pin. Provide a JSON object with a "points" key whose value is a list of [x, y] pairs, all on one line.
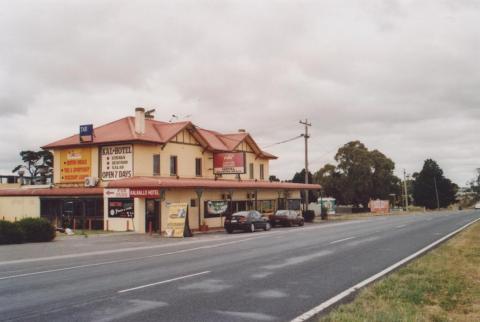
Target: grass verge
{"points": [[443, 285]]}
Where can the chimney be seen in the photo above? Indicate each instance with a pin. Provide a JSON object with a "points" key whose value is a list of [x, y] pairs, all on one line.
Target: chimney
{"points": [[140, 120], [241, 130]]}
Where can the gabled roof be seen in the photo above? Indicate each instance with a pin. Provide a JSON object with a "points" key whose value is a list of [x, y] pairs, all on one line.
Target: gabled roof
{"points": [[123, 131]]}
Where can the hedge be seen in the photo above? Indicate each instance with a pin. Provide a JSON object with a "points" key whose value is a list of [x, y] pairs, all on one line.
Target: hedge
{"points": [[26, 230], [11, 233], [37, 230]]}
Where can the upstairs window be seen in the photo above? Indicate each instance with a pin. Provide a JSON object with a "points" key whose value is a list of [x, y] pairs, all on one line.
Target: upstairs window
{"points": [[262, 172], [156, 164], [198, 167], [173, 165], [252, 174]]}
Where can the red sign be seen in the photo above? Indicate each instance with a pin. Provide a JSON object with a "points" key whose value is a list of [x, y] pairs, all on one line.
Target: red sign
{"points": [[229, 163], [144, 193]]}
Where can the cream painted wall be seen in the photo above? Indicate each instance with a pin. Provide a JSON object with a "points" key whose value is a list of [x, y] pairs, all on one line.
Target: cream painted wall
{"points": [[12, 208]]}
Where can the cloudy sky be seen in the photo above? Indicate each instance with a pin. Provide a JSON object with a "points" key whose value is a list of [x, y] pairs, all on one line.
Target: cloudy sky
{"points": [[400, 76]]}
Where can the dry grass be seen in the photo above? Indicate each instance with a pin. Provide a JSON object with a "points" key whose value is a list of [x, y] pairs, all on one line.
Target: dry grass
{"points": [[444, 285]]}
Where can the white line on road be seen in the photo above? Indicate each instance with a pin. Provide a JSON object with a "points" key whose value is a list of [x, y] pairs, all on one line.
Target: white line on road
{"points": [[401, 226], [164, 282], [307, 315], [341, 240]]}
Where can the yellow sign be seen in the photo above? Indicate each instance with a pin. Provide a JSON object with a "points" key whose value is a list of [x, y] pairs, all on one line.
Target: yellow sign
{"points": [[75, 165], [177, 216]]}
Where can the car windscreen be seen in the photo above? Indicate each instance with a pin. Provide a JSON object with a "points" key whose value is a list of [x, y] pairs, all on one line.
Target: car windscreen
{"points": [[282, 213], [241, 214]]}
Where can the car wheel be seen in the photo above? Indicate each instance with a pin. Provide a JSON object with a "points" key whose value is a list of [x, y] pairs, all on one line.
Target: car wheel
{"points": [[252, 228], [272, 224], [229, 230], [301, 223], [267, 226]]}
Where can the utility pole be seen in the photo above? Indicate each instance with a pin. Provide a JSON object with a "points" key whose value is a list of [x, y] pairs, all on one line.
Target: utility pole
{"points": [[306, 137], [436, 191], [406, 190]]}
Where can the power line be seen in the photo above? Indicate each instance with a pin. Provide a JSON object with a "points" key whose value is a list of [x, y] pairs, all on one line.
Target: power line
{"points": [[286, 141]]}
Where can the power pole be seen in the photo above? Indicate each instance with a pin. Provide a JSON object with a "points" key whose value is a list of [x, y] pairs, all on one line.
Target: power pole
{"points": [[436, 191], [306, 137], [405, 187]]}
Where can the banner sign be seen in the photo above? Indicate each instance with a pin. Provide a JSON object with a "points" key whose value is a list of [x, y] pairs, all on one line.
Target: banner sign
{"points": [[229, 163], [144, 193], [379, 206], [86, 133], [117, 162], [116, 193], [217, 207], [120, 208], [75, 165], [177, 222]]}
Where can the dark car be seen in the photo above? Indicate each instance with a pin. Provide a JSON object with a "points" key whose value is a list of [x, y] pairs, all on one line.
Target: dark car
{"points": [[287, 218], [247, 221]]}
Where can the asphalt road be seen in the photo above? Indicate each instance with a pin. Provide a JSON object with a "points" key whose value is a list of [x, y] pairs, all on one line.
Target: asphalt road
{"points": [[261, 276]]}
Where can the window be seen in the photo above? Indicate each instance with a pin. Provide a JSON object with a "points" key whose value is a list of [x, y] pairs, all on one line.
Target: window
{"points": [[173, 165], [156, 164], [262, 172], [198, 167], [252, 175]]}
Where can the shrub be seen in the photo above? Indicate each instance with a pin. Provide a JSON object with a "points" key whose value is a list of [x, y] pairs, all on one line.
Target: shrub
{"points": [[37, 230], [10, 233], [309, 215]]}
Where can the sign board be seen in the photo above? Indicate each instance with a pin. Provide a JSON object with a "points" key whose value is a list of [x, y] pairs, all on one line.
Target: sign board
{"points": [[116, 193], [229, 163], [379, 206], [120, 208], [86, 133], [144, 193], [177, 222], [75, 165], [216, 207], [117, 162]]}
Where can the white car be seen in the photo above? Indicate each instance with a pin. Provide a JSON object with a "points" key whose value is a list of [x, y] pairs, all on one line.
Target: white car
{"points": [[477, 205]]}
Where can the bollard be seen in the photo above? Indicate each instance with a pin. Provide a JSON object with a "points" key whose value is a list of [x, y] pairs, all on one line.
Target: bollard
{"points": [[89, 224], [107, 225], [128, 225], [74, 224], [150, 227]]}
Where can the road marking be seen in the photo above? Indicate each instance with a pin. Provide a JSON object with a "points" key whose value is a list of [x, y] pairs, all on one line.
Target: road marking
{"points": [[401, 226], [164, 282], [341, 240], [307, 315]]}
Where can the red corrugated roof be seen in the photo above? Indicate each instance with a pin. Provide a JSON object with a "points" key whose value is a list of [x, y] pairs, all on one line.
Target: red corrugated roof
{"points": [[158, 182], [51, 192], [123, 130]]}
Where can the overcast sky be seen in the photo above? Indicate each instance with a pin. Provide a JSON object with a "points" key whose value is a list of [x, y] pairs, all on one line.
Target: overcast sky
{"points": [[400, 76]]}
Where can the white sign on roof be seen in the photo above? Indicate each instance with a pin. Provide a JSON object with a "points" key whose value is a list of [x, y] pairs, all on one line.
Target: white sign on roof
{"points": [[117, 162]]}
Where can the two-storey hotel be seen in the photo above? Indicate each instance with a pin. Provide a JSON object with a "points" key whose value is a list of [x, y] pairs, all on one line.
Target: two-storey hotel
{"points": [[123, 175]]}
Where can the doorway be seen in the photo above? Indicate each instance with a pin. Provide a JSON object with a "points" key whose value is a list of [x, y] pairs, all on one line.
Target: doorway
{"points": [[152, 215]]}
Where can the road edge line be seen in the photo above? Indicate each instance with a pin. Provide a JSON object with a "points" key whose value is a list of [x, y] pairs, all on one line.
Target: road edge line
{"points": [[316, 310]]}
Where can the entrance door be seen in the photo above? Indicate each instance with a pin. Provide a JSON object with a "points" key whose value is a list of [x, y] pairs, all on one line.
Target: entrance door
{"points": [[152, 215]]}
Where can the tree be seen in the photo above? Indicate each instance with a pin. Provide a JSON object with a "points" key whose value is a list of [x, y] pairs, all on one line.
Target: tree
{"points": [[424, 191], [273, 178], [299, 177], [360, 175], [36, 163]]}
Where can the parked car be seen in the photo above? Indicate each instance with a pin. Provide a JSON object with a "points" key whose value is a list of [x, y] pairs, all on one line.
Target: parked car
{"points": [[477, 205], [248, 221], [287, 218]]}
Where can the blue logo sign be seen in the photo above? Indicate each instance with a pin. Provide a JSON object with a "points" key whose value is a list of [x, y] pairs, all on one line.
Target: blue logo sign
{"points": [[86, 133]]}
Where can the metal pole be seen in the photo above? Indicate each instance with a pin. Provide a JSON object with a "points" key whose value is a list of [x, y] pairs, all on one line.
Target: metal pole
{"points": [[306, 136], [436, 191], [406, 191]]}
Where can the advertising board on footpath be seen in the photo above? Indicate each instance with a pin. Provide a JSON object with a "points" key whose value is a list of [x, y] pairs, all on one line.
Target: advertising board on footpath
{"points": [[379, 206], [177, 222]]}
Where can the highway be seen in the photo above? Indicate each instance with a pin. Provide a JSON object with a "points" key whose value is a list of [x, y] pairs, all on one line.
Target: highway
{"points": [[262, 276]]}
